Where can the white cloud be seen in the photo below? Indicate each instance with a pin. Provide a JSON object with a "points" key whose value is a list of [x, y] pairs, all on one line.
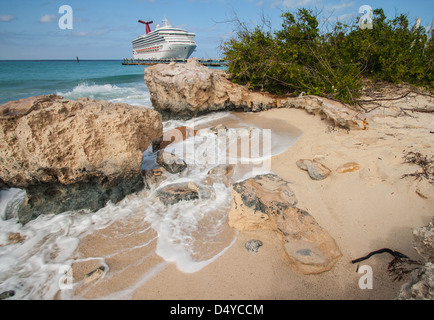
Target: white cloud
{"points": [[92, 33], [343, 5], [48, 18], [6, 17]]}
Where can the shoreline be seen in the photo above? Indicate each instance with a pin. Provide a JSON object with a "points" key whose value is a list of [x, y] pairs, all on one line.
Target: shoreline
{"points": [[363, 211]]}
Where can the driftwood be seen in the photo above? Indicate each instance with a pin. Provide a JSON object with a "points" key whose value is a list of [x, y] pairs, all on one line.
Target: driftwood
{"points": [[396, 254], [397, 268], [377, 100]]}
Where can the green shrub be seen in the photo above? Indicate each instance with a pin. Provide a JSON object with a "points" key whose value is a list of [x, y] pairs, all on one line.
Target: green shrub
{"points": [[300, 58]]}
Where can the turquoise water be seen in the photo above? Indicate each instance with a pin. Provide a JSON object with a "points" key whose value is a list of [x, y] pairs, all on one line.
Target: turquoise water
{"points": [[102, 80]]}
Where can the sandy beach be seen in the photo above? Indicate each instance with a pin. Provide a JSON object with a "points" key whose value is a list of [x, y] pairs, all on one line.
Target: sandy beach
{"points": [[366, 210]]}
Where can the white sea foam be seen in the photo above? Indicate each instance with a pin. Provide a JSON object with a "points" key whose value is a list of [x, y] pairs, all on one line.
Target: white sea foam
{"points": [[137, 95], [191, 234]]}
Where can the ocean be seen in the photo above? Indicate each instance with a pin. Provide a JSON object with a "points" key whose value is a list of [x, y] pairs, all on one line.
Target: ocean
{"points": [[189, 234], [102, 80]]}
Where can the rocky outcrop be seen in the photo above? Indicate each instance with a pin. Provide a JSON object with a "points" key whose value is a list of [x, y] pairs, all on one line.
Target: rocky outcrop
{"points": [[423, 241], [188, 90], [267, 202], [72, 155], [421, 284]]}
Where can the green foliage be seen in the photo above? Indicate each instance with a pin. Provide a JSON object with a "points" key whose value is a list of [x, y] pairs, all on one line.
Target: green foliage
{"points": [[299, 58]]}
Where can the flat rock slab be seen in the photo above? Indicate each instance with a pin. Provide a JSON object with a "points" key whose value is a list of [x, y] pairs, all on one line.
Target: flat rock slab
{"points": [[177, 192], [266, 202]]}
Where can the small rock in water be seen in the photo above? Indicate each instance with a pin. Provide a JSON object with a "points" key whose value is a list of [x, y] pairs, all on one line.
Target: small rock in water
{"points": [[177, 192], [217, 128], [222, 173], [253, 245], [7, 294], [16, 238], [154, 177], [171, 162], [94, 275]]}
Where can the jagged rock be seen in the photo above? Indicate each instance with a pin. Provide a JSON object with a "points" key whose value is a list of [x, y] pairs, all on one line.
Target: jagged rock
{"points": [[71, 155], [177, 192], [339, 113], [253, 245], [317, 171], [154, 177], [16, 238], [423, 241], [187, 90], [267, 202], [420, 286], [171, 162], [348, 167], [217, 128], [7, 294], [2, 185], [222, 173]]}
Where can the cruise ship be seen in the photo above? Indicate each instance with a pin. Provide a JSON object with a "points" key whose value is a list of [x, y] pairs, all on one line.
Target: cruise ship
{"points": [[165, 42]]}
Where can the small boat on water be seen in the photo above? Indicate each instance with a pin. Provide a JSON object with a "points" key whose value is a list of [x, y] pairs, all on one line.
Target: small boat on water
{"points": [[165, 42]]}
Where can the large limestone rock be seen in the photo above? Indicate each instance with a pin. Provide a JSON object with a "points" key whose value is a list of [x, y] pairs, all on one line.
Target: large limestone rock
{"points": [[71, 155], [188, 90], [423, 241], [267, 202], [421, 283], [420, 286]]}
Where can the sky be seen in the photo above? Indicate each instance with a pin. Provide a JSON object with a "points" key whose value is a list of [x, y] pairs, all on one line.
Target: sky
{"points": [[103, 29]]}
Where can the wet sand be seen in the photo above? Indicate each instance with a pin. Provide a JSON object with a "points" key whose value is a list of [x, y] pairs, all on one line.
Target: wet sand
{"points": [[365, 210]]}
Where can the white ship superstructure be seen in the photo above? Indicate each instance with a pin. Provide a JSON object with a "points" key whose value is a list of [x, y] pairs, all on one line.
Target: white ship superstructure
{"points": [[165, 42]]}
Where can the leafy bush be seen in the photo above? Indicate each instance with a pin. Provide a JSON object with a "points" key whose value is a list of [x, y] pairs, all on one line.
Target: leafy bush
{"points": [[300, 58]]}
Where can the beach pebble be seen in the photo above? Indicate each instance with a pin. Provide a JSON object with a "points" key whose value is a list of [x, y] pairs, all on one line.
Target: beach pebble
{"points": [[317, 171], [253, 245], [94, 275], [7, 294]]}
